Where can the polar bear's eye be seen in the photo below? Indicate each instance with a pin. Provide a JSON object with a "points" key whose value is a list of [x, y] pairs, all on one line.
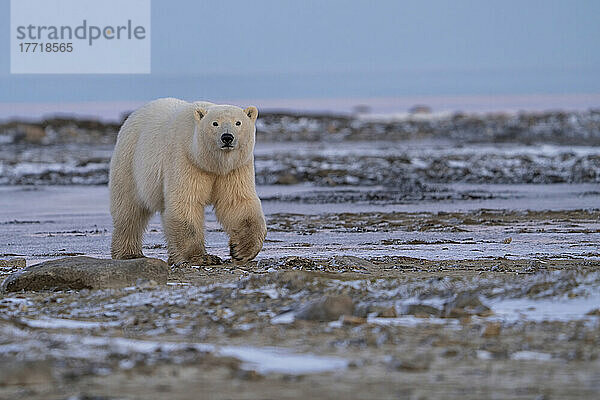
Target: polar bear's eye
{"points": [[215, 123], [238, 123]]}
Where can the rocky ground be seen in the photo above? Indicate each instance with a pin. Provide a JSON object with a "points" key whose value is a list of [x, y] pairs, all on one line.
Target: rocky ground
{"points": [[553, 147], [415, 267], [381, 328]]}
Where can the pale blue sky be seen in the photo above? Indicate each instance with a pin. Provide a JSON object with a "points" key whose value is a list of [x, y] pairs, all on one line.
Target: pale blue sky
{"points": [[303, 49]]}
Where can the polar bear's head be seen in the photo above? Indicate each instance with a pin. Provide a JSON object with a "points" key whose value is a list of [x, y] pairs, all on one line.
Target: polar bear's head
{"points": [[224, 136]]}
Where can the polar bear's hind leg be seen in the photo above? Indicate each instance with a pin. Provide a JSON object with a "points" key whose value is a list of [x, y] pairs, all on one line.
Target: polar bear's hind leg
{"points": [[130, 219]]}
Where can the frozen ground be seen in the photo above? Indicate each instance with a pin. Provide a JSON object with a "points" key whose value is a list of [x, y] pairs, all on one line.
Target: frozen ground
{"points": [[385, 163], [466, 271], [44, 222], [410, 150], [502, 286]]}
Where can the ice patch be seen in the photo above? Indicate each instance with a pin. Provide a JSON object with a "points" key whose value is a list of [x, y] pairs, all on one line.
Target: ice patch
{"points": [[531, 355], [511, 310], [61, 323], [264, 360], [14, 300], [355, 284], [411, 320], [285, 318], [336, 324], [271, 291], [268, 360]]}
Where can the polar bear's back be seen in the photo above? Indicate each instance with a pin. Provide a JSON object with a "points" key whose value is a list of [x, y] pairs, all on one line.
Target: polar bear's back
{"points": [[142, 146]]}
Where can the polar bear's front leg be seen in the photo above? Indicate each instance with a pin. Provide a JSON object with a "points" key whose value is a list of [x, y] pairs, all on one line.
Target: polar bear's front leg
{"points": [[244, 222], [185, 239]]}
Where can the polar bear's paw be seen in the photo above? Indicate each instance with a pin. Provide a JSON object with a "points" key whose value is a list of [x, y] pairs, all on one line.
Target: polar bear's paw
{"points": [[246, 242]]}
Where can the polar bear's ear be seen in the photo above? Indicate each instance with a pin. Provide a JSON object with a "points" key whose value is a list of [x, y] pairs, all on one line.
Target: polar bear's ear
{"points": [[199, 113], [251, 112]]}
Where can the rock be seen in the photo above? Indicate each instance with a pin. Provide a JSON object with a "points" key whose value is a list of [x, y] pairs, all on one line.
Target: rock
{"points": [[595, 312], [421, 310], [145, 283], [352, 262], [286, 179], [294, 281], [13, 263], [491, 330], [352, 320], [86, 273], [465, 304], [33, 134], [247, 375], [388, 312], [364, 310], [450, 352], [418, 363], [328, 308]]}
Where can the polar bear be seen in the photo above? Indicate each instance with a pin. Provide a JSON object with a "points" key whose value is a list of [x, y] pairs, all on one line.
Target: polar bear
{"points": [[176, 158]]}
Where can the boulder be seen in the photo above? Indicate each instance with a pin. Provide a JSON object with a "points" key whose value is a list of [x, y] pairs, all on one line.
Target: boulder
{"points": [[465, 304], [422, 310], [86, 273], [328, 308]]}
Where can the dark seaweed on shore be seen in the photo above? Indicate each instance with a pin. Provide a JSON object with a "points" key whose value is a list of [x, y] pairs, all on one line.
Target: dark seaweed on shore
{"points": [[357, 150], [557, 127]]}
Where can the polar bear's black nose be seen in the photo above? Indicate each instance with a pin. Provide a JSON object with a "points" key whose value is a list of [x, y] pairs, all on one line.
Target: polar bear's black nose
{"points": [[227, 139]]}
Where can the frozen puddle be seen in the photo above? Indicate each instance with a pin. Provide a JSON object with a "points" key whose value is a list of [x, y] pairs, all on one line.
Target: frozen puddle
{"points": [[531, 356], [62, 323], [285, 318], [404, 320], [519, 355], [511, 310], [411, 320], [264, 360], [267, 360]]}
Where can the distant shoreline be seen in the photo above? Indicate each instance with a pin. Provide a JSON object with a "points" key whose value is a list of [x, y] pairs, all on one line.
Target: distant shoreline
{"points": [[113, 111]]}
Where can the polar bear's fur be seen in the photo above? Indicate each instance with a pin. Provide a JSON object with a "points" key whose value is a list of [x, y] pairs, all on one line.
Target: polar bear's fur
{"points": [[170, 158]]}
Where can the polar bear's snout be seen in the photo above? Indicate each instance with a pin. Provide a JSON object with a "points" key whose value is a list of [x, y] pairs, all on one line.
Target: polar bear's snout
{"points": [[227, 140]]}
